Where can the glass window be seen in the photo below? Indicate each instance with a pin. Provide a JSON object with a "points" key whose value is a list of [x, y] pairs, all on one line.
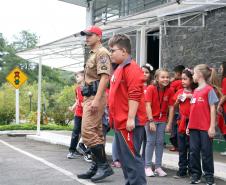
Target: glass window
{"points": [[107, 10]]}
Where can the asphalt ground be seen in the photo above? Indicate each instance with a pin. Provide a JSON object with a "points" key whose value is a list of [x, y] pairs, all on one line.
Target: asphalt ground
{"points": [[27, 162]]}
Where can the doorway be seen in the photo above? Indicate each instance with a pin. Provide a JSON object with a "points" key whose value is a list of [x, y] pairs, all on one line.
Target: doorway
{"points": [[153, 49]]}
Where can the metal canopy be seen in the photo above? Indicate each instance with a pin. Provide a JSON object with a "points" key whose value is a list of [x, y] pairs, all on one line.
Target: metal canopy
{"points": [[166, 12], [66, 53], [82, 3]]}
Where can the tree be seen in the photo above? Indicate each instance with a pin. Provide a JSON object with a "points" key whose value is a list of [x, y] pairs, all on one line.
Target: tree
{"points": [[63, 100], [56, 96], [25, 40]]}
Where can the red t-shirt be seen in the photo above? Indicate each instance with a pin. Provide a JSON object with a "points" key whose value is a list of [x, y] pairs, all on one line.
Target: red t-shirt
{"points": [[200, 109], [176, 85], [184, 110], [145, 90], [223, 86], [184, 106], [79, 98], [126, 86], [160, 100]]}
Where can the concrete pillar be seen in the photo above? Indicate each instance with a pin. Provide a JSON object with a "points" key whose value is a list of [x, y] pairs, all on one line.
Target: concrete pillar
{"points": [[143, 46], [89, 14]]}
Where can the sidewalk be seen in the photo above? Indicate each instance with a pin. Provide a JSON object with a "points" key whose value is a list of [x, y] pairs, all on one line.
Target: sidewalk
{"points": [[170, 159]]}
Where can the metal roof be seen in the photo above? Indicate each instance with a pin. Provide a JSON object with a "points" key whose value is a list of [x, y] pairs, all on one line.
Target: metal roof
{"points": [[82, 3], [68, 53]]}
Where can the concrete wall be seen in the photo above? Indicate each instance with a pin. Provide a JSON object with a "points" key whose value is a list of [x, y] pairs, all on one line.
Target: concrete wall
{"points": [[192, 46]]}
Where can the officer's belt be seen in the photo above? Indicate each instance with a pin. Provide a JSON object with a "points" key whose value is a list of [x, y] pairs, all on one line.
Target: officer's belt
{"points": [[90, 89]]}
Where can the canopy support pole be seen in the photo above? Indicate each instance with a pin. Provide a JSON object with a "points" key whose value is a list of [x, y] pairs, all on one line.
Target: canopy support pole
{"points": [[39, 95], [143, 46]]}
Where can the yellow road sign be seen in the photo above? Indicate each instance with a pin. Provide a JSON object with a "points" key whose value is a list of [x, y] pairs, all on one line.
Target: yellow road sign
{"points": [[16, 77]]}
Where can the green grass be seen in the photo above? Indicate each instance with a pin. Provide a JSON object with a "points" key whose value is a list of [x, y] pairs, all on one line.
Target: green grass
{"points": [[28, 126]]}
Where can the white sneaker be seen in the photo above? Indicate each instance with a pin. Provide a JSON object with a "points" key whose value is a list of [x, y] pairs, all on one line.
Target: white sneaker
{"points": [[159, 171], [149, 172], [73, 155], [88, 158], [223, 153]]}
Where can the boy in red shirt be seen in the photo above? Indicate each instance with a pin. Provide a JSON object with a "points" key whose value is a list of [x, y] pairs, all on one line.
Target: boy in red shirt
{"points": [[176, 85], [77, 109], [127, 109]]}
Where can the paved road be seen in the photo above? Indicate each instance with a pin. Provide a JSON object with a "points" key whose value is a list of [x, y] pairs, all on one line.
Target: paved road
{"points": [[26, 162]]}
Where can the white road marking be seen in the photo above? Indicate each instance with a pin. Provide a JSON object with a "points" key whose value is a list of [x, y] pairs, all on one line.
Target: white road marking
{"points": [[51, 165]]}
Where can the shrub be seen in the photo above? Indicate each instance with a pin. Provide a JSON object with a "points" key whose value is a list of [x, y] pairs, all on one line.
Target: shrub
{"points": [[63, 100], [7, 104]]}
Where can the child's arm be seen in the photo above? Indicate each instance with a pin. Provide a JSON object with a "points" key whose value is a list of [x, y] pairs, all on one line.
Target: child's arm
{"points": [[150, 117], [177, 102], [72, 108], [134, 84], [170, 119], [219, 106], [133, 106], [211, 131]]}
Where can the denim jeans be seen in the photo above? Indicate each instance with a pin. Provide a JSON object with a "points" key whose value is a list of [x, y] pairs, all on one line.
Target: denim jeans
{"points": [[75, 133], [155, 142], [115, 155]]}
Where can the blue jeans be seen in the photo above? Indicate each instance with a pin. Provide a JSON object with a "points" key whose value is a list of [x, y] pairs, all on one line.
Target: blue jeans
{"points": [[155, 141], [75, 133], [115, 155], [183, 147], [174, 137]]}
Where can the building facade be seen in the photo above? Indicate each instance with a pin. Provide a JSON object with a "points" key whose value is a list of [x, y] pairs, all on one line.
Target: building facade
{"points": [[165, 33]]}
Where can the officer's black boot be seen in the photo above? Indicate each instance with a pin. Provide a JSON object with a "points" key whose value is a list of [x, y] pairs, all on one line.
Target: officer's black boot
{"points": [[103, 168], [91, 172]]}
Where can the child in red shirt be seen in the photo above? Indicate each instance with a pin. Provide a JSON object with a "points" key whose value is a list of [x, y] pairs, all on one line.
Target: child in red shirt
{"points": [[182, 99], [148, 80], [221, 108], [127, 109], [201, 126], [159, 104], [175, 85], [77, 109]]}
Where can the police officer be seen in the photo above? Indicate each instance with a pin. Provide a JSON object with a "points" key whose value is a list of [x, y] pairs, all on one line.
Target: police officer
{"points": [[97, 71]]}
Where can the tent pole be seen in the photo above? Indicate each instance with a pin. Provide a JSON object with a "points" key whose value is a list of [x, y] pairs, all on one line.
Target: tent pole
{"points": [[39, 95]]}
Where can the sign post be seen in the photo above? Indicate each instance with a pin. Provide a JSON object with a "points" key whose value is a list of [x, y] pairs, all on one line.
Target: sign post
{"points": [[17, 106], [17, 78]]}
